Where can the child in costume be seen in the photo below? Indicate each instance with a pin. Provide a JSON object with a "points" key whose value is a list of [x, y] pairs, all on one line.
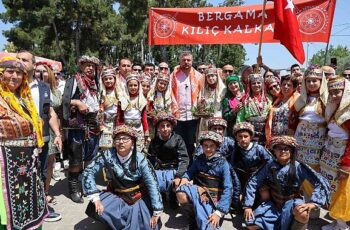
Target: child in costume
{"points": [[212, 188], [168, 154], [284, 176]]}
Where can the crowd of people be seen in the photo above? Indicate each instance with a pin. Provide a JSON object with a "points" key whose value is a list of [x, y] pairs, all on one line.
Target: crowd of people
{"points": [[271, 146]]}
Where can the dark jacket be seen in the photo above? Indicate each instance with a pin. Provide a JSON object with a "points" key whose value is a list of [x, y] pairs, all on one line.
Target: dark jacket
{"points": [[167, 152], [44, 106]]}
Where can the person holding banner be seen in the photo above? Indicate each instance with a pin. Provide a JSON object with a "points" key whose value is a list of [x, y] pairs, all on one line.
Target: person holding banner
{"points": [[186, 84]]}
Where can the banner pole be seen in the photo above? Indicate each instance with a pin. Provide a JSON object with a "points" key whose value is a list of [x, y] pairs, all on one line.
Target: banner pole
{"points": [[259, 58]]}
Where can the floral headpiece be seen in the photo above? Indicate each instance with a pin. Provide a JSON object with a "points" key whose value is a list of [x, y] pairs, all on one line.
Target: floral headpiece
{"points": [[256, 77], [11, 63], [336, 83], [269, 81], [164, 116], [313, 73], [131, 77], [210, 135], [87, 59], [164, 77], [243, 126], [283, 140], [108, 72], [217, 121], [128, 130]]}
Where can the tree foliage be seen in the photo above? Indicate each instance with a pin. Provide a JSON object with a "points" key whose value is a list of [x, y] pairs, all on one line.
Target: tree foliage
{"points": [[64, 30], [341, 53]]}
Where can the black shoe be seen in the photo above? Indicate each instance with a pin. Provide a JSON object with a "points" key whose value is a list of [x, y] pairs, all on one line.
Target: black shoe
{"points": [[76, 197]]}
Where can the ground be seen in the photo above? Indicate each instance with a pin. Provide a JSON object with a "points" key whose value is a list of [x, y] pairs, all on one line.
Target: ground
{"points": [[73, 215]]}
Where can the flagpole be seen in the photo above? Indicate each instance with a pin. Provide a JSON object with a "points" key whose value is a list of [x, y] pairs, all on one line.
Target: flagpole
{"points": [[259, 58]]}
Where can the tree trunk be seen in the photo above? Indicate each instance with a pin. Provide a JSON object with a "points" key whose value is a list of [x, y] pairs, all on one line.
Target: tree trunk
{"points": [[57, 43]]}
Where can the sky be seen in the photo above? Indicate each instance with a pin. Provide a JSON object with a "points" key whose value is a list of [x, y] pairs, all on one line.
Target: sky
{"points": [[274, 55]]}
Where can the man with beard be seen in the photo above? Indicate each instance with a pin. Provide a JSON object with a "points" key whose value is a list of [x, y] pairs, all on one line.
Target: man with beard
{"points": [[186, 84], [80, 106]]}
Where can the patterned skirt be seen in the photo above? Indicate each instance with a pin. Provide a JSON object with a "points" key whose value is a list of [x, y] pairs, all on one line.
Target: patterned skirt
{"points": [[331, 156], [22, 189], [310, 138]]}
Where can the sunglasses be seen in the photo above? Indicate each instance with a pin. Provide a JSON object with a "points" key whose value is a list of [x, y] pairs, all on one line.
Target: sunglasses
{"points": [[227, 71], [126, 65], [138, 70], [347, 75], [163, 68], [274, 86]]}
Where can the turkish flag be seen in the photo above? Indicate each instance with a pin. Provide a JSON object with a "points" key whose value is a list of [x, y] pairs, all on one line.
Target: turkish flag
{"points": [[287, 28]]}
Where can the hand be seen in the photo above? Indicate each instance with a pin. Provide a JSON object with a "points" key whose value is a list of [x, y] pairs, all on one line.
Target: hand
{"points": [[214, 220], [176, 183], [299, 209], [154, 221], [203, 195], [99, 207], [184, 181], [83, 108], [58, 142], [248, 214]]}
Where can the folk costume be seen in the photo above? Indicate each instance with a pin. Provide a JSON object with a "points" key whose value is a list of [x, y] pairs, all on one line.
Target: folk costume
{"points": [[169, 157], [81, 130], [284, 182], [108, 110], [132, 193], [311, 127], [159, 101], [231, 104], [22, 199], [209, 99], [245, 162], [227, 147], [214, 175], [255, 108], [132, 111], [336, 153]]}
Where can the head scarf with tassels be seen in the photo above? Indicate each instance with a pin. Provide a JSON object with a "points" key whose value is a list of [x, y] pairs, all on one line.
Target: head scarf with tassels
{"points": [[25, 95]]}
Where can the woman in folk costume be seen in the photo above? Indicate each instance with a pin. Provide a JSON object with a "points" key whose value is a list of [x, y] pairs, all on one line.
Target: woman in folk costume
{"points": [[132, 199], [256, 106], [231, 104], [22, 198], [108, 106], [132, 109], [159, 96], [286, 208], [311, 127], [210, 97], [146, 82], [335, 157], [273, 86], [281, 112]]}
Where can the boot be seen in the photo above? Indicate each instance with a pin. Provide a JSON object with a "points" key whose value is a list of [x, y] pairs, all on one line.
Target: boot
{"points": [[296, 225], [74, 187]]}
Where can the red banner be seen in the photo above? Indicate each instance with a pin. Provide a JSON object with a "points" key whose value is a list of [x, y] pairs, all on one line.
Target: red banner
{"points": [[235, 25]]}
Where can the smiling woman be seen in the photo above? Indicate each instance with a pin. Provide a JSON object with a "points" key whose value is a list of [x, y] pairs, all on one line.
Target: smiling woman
{"points": [[19, 142]]}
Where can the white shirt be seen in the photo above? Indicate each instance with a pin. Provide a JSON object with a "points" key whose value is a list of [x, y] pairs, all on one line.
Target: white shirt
{"points": [[185, 97], [34, 89]]}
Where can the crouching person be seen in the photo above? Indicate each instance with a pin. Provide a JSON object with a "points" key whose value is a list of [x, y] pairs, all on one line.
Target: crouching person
{"points": [[284, 176], [132, 192], [211, 192], [168, 153]]}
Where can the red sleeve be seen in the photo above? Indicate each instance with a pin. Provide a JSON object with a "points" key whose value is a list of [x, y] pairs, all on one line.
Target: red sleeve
{"points": [[345, 161], [144, 121], [120, 116]]}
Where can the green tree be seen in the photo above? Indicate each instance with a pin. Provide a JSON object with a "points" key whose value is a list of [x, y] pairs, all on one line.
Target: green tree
{"points": [[341, 53]]}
